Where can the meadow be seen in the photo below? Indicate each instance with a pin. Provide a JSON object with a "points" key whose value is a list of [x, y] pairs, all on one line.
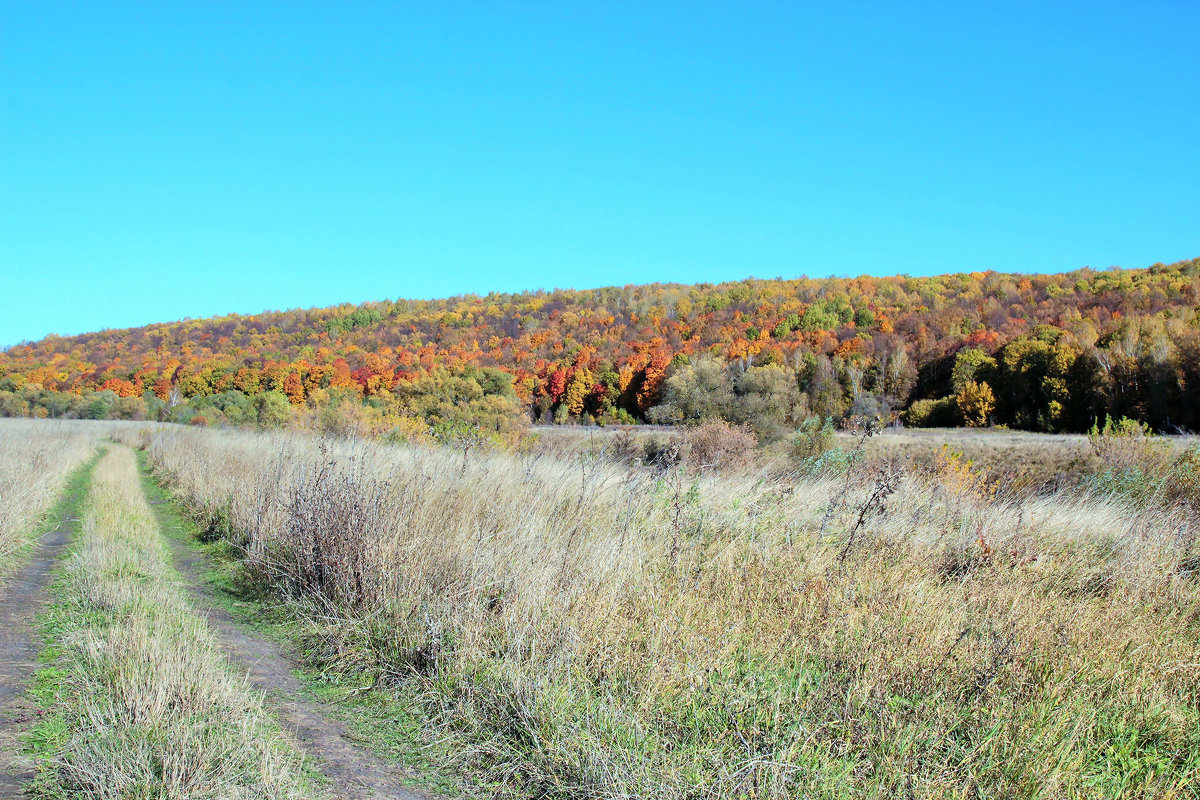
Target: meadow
{"points": [[577, 626], [610, 614]]}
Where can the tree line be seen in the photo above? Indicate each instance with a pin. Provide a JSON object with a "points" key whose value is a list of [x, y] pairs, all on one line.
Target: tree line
{"points": [[1037, 352]]}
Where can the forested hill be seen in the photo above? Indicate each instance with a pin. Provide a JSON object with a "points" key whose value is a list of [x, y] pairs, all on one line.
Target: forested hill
{"points": [[1048, 352]]}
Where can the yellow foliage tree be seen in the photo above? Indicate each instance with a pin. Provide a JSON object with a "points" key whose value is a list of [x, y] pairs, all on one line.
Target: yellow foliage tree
{"points": [[577, 390], [976, 401]]}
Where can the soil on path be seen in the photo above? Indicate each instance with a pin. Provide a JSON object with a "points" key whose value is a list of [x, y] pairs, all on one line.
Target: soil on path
{"points": [[22, 596], [353, 771]]}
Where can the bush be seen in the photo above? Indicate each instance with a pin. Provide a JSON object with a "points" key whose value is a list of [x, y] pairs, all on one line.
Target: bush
{"points": [[133, 408], [101, 403], [626, 448], [185, 412], [234, 405], [463, 435], [961, 479], [1126, 444], [344, 418], [663, 451], [13, 405], [940, 413], [976, 401], [623, 417], [836, 461], [867, 405], [695, 392], [408, 430], [711, 445], [274, 409], [767, 400], [720, 445], [1183, 478], [1137, 464], [812, 439], [764, 398]]}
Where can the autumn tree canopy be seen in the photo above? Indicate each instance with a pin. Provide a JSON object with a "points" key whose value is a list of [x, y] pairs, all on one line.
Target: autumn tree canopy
{"points": [[1042, 352]]}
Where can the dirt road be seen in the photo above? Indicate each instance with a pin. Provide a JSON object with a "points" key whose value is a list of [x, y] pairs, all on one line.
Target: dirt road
{"points": [[22, 596], [353, 771]]}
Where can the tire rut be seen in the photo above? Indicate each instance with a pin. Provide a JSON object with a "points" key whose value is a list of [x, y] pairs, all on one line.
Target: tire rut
{"points": [[353, 771], [22, 596]]}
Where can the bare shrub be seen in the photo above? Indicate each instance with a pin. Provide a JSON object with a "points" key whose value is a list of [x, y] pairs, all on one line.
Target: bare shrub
{"points": [[1126, 444], [719, 445], [664, 452], [626, 447]]}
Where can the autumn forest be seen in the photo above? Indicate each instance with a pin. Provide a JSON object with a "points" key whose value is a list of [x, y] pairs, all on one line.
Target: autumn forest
{"points": [[1035, 352]]}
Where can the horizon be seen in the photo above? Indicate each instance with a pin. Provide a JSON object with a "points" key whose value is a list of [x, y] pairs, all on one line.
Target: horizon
{"points": [[184, 162]]}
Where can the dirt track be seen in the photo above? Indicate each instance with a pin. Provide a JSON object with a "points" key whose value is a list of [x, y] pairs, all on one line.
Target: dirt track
{"points": [[21, 597], [353, 771]]}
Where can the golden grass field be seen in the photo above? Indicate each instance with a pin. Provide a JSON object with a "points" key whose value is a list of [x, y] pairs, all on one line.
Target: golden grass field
{"points": [[574, 627]]}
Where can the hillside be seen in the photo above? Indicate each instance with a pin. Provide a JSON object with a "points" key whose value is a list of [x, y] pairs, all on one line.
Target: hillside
{"points": [[1042, 352]]}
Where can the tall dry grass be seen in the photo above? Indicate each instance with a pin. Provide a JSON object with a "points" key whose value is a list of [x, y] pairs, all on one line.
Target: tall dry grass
{"points": [[147, 706], [587, 630], [35, 458]]}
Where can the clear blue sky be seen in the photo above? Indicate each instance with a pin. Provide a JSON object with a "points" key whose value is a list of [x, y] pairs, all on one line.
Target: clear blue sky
{"points": [[162, 160]]}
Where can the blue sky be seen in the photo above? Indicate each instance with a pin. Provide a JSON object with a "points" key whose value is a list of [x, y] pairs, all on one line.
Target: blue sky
{"points": [[164, 160]]}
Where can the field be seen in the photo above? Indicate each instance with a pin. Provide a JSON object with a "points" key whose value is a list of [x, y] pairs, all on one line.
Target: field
{"points": [[1009, 616], [1019, 462]]}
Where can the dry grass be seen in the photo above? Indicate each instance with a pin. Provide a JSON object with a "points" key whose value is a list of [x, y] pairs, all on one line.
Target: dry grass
{"points": [[35, 457], [1022, 463], [148, 707], [586, 630]]}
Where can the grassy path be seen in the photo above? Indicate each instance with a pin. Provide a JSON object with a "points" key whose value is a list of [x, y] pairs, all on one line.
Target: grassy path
{"points": [[142, 685], [138, 698], [352, 771], [22, 596]]}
